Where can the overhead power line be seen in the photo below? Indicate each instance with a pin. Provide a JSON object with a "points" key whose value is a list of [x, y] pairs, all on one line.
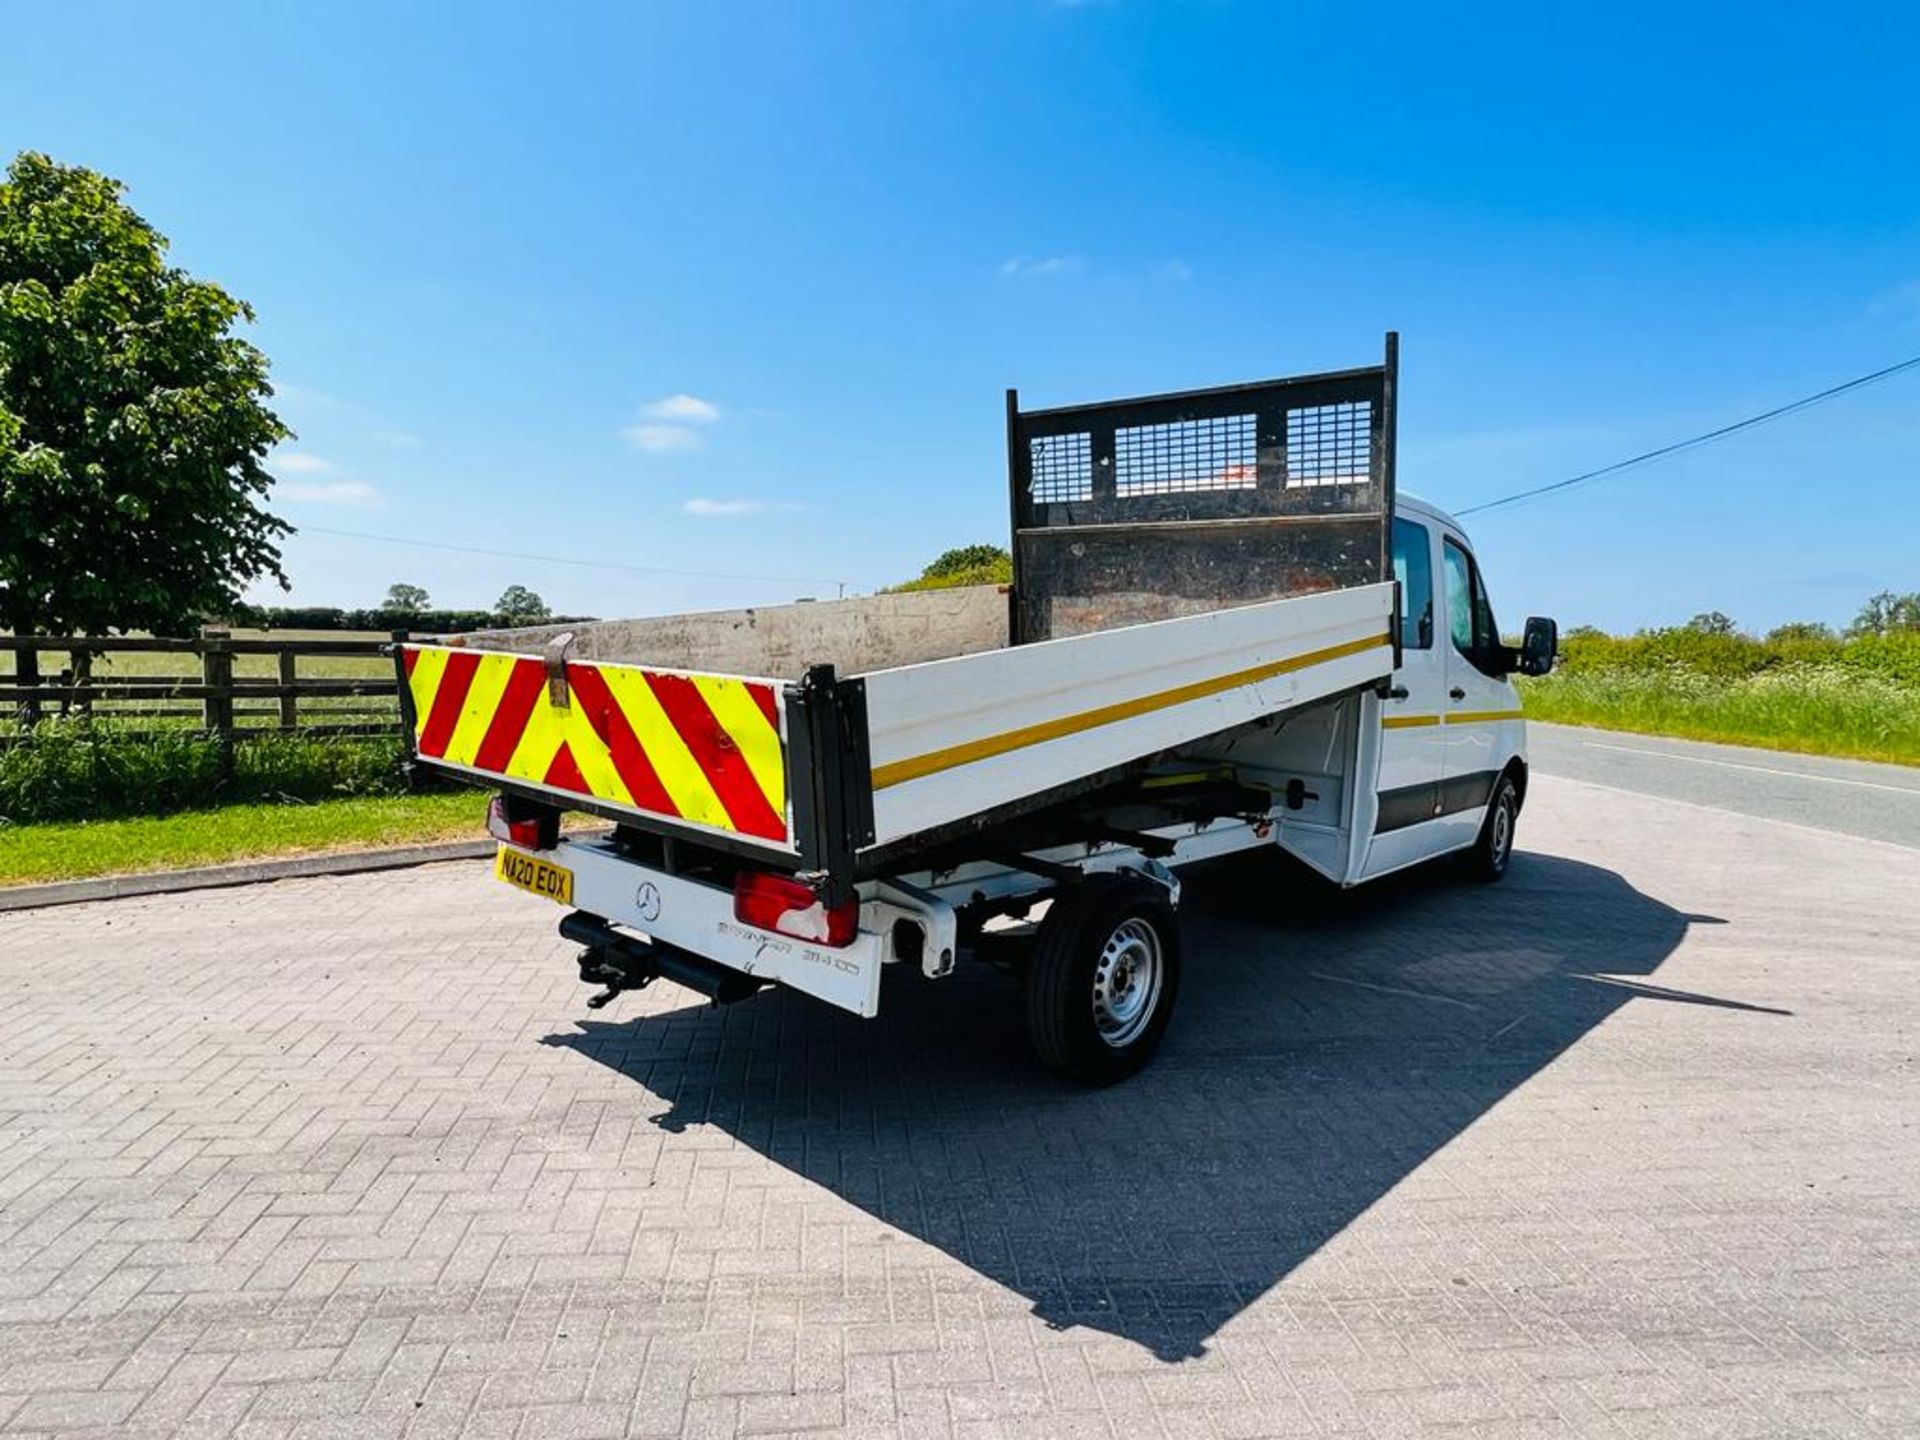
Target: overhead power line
{"points": [[566, 559], [1857, 383]]}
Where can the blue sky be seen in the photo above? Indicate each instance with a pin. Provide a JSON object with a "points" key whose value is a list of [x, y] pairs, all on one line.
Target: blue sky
{"points": [[735, 289]]}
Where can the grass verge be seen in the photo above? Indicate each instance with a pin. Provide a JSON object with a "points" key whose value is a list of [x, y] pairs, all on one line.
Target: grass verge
{"points": [[35, 854], [1807, 709]]}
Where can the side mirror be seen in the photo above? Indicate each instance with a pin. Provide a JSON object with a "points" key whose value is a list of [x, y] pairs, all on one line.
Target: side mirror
{"points": [[1539, 645]]}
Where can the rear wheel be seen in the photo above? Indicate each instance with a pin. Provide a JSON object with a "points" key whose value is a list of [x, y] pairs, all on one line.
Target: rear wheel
{"points": [[1103, 979], [1488, 859]]}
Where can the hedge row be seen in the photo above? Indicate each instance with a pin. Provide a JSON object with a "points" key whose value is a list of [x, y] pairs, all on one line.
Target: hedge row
{"points": [[426, 622], [73, 770], [1893, 658]]}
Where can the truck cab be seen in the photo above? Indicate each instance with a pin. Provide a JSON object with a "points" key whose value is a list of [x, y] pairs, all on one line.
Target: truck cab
{"points": [[1450, 727]]}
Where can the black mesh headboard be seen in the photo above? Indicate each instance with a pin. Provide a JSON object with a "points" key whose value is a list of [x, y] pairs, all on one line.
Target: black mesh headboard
{"points": [[1136, 510]]}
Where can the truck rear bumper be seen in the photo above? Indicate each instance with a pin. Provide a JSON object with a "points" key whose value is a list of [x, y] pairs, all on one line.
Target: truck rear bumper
{"points": [[698, 918]]}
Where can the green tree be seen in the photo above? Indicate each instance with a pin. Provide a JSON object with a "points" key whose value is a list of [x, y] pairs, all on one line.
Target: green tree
{"points": [[965, 559], [1887, 614], [966, 565], [1712, 622], [408, 598], [518, 605], [133, 421], [1799, 631]]}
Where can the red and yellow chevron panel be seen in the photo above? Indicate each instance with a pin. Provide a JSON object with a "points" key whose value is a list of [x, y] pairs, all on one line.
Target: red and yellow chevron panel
{"points": [[701, 748]]}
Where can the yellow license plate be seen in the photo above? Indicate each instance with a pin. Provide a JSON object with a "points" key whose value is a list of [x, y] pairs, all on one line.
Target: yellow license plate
{"points": [[538, 877]]}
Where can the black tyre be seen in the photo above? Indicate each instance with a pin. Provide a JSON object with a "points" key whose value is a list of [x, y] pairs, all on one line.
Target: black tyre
{"points": [[1103, 979], [1487, 860]]}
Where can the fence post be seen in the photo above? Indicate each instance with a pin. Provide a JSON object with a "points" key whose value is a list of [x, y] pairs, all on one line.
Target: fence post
{"points": [[289, 702], [409, 771], [82, 659], [26, 672], [216, 674]]}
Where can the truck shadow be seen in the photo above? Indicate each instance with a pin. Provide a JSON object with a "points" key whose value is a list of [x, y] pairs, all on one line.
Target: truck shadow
{"points": [[1327, 1044]]}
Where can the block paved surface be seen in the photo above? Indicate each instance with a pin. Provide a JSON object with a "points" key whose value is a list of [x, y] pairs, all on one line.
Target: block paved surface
{"points": [[1625, 1146]]}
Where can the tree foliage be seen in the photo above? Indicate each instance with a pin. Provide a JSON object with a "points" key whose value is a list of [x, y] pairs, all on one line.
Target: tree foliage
{"points": [[1804, 632], [406, 598], [964, 565], [965, 558], [1712, 622], [133, 422], [1888, 614], [518, 605]]}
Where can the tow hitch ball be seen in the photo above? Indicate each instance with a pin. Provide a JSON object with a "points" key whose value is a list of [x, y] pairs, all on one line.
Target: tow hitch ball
{"points": [[608, 958], [601, 965], [620, 962]]}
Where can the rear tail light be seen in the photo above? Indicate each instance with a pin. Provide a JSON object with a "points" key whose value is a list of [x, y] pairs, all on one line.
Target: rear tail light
{"points": [[787, 907], [528, 834]]}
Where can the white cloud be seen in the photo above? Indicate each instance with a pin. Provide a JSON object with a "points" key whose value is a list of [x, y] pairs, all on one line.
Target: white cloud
{"points": [[661, 437], [1045, 265], [672, 423], [395, 439], [736, 507], [295, 462], [683, 408], [1175, 271], [331, 492]]}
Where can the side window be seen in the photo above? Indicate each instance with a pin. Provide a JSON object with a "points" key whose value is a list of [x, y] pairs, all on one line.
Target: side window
{"points": [[1486, 634], [1469, 613], [1459, 598], [1413, 568]]}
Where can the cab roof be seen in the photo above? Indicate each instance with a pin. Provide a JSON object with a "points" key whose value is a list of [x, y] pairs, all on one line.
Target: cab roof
{"points": [[1415, 505]]}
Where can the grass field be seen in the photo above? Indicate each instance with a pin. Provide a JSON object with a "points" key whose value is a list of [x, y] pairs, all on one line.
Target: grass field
{"points": [[31, 854], [1811, 711]]}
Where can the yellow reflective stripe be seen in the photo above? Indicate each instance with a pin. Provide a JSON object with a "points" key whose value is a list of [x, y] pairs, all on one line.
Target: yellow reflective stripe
{"points": [[483, 699], [686, 783], [539, 743], [935, 761], [757, 741], [592, 758], [424, 682], [549, 727], [1464, 717]]}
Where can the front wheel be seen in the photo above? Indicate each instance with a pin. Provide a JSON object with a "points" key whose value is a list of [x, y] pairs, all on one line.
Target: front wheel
{"points": [[1104, 976], [1492, 851]]}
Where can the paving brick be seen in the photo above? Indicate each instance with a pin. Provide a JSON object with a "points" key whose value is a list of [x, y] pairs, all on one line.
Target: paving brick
{"points": [[1615, 1148]]}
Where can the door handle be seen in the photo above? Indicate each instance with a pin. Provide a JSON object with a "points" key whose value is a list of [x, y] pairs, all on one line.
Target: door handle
{"points": [[1457, 693], [1398, 692]]}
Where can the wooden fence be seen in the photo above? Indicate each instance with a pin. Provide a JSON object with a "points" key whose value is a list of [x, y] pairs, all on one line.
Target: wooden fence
{"points": [[241, 685]]}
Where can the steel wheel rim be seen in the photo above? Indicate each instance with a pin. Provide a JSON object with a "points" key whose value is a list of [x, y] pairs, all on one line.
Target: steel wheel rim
{"points": [[1126, 982], [1502, 830]]}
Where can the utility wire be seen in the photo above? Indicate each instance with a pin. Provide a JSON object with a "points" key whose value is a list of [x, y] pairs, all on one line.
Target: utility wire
{"points": [[566, 559], [1858, 382]]}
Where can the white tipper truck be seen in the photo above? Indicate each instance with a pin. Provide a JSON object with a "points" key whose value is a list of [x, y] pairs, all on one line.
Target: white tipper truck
{"points": [[1225, 630]]}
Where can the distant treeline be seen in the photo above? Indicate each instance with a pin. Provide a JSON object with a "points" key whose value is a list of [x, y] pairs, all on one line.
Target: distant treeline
{"points": [[425, 622], [1728, 654], [1798, 687]]}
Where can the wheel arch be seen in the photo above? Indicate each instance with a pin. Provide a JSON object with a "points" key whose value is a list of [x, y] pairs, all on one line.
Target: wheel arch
{"points": [[1516, 770]]}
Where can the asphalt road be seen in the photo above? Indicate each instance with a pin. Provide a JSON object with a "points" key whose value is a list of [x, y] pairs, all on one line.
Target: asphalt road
{"points": [[1851, 797]]}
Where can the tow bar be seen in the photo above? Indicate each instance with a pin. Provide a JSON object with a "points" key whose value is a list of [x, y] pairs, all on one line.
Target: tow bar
{"points": [[622, 962]]}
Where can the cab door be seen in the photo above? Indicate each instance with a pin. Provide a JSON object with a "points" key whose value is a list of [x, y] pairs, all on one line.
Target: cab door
{"points": [[1482, 707], [1412, 738]]}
